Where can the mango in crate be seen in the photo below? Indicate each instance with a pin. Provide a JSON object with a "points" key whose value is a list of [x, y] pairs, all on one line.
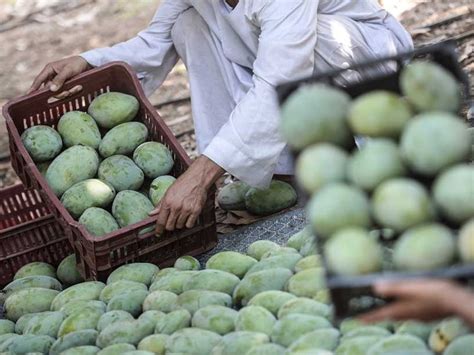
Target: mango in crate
{"points": [[337, 206], [123, 139], [425, 247], [79, 128], [315, 114], [75, 164], [67, 270], [430, 87], [131, 207], [154, 159], [98, 221], [353, 251], [121, 172], [379, 114], [113, 108], [320, 164], [43, 143], [159, 186], [453, 193], [377, 160], [433, 141]]}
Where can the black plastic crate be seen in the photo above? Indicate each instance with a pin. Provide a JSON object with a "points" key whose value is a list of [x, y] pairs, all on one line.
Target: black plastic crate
{"points": [[353, 295]]}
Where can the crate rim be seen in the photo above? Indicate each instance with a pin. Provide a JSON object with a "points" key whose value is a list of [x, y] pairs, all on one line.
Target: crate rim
{"points": [[33, 170]]}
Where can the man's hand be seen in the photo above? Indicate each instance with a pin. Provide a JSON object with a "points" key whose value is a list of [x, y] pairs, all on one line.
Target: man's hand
{"points": [[56, 73], [424, 300], [185, 199]]}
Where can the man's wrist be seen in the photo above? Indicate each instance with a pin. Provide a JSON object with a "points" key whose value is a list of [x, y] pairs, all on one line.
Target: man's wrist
{"points": [[207, 171]]}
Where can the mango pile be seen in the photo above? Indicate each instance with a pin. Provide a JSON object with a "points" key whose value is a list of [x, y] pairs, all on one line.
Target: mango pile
{"points": [[101, 164], [411, 176], [271, 300]]}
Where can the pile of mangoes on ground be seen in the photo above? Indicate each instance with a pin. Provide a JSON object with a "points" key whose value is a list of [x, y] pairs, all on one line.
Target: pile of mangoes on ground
{"points": [[411, 175], [88, 185], [272, 300]]}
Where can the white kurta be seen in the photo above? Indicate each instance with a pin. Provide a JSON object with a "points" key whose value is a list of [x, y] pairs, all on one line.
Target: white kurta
{"points": [[236, 57]]}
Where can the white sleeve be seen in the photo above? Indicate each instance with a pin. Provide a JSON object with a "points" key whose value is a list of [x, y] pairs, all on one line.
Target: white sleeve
{"points": [[151, 53], [249, 144]]}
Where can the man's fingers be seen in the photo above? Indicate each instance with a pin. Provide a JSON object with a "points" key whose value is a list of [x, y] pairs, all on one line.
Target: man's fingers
{"points": [[182, 218], [171, 221], [46, 73], [394, 311], [192, 220], [161, 221], [59, 79], [155, 211]]}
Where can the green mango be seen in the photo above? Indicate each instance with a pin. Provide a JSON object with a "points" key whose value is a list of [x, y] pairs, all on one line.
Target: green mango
{"points": [[212, 280], [172, 282], [138, 272], [218, 319], [192, 300], [154, 158], [357, 346], [466, 242], [315, 114], [430, 87], [307, 283], [36, 268], [192, 341], [271, 300], [6, 326], [116, 349], [123, 139], [77, 305], [112, 317], [98, 221], [72, 340], [121, 172], [158, 188], [86, 291], [379, 114], [260, 247], [43, 143], [461, 345], [237, 343], [324, 339], [82, 350], [265, 280], [118, 287], [278, 196], [131, 332], [293, 326], [113, 108], [67, 270], [163, 301], [266, 349], [287, 261], [79, 128], [309, 262], [86, 194], [155, 343], [297, 240], [255, 319], [44, 323], [40, 281], [427, 156], [302, 305], [319, 165], [75, 164], [131, 207], [6, 336], [173, 321], [187, 262], [232, 196], [398, 344], [25, 344], [232, 262], [87, 318], [129, 301], [29, 300]]}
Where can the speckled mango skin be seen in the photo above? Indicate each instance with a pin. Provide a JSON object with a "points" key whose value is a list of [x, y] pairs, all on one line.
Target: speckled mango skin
{"points": [[67, 271], [75, 164], [129, 301], [255, 319], [84, 291], [154, 159], [155, 343], [42, 142], [77, 127], [72, 340], [232, 262], [217, 319], [138, 272], [35, 268], [41, 281], [30, 300], [159, 186], [123, 139], [193, 300], [232, 196], [113, 108], [25, 344], [86, 318], [86, 194], [173, 321], [131, 207], [131, 332], [98, 221], [278, 196], [45, 323], [121, 172], [212, 280]]}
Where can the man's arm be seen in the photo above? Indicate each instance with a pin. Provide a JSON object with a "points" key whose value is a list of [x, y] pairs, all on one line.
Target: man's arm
{"points": [[150, 53], [249, 144]]}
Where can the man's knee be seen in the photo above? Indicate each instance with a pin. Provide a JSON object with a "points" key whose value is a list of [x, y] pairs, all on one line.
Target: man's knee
{"points": [[187, 24]]}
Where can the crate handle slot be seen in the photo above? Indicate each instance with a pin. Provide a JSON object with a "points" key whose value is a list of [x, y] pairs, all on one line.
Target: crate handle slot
{"points": [[65, 94]]}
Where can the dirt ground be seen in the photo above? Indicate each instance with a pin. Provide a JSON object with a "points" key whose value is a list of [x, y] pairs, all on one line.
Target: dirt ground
{"points": [[35, 32]]}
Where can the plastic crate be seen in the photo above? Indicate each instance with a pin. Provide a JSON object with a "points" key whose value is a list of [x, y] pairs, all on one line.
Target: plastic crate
{"points": [[28, 232], [353, 295], [99, 256]]}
